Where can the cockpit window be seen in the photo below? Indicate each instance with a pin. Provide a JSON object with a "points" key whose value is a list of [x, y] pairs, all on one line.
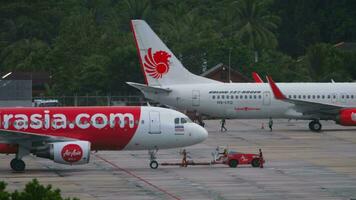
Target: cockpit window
{"points": [[183, 120], [176, 120]]}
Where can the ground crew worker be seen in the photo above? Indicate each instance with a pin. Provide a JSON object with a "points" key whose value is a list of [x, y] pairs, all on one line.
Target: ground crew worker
{"points": [[184, 160], [225, 153], [261, 159], [270, 123], [223, 122]]}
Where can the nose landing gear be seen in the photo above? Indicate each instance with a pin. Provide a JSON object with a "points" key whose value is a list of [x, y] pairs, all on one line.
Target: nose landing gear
{"points": [[17, 164], [315, 126], [153, 162]]}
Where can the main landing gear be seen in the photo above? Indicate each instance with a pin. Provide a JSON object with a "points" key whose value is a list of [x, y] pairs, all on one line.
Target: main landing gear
{"points": [[315, 126], [17, 164], [153, 162]]}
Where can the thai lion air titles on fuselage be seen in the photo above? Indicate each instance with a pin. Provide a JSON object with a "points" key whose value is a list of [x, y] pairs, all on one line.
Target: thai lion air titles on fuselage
{"points": [[250, 100], [111, 128]]}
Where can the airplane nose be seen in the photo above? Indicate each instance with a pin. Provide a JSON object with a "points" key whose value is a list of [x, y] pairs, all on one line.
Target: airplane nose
{"points": [[202, 133]]}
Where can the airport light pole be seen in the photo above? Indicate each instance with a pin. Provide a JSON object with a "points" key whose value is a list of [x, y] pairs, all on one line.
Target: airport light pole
{"points": [[230, 49]]}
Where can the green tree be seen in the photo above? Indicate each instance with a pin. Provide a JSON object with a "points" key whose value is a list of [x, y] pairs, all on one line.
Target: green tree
{"points": [[255, 24], [33, 191], [325, 62], [4, 195]]}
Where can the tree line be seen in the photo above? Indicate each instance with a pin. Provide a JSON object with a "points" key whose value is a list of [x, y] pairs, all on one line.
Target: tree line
{"points": [[87, 46]]}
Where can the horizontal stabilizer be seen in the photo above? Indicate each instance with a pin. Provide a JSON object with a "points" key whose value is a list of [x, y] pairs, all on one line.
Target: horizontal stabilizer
{"points": [[150, 89]]}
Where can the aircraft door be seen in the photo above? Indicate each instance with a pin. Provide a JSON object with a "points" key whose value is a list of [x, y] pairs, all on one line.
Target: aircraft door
{"points": [[266, 98], [195, 98], [155, 123]]}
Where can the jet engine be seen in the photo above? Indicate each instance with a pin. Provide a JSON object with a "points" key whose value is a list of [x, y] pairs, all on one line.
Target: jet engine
{"points": [[74, 152], [347, 117]]}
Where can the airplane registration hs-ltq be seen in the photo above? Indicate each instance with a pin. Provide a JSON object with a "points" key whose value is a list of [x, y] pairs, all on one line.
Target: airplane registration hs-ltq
{"points": [[170, 83], [66, 135]]}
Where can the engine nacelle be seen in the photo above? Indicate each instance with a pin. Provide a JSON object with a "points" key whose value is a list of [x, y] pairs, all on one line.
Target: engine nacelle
{"points": [[347, 117], [70, 153], [8, 148]]}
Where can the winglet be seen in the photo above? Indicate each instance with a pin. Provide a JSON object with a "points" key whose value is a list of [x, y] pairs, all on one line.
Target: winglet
{"points": [[276, 91], [256, 77]]}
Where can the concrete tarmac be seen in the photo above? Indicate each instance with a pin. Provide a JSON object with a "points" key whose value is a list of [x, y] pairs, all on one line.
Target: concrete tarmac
{"points": [[300, 164]]}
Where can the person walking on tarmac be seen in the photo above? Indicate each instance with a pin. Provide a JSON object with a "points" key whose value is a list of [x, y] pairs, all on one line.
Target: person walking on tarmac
{"points": [[261, 159], [184, 159], [270, 123], [223, 122]]}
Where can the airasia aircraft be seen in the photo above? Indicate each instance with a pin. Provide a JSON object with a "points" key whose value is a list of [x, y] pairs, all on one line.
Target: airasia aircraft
{"points": [[168, 82], [66, 135]]}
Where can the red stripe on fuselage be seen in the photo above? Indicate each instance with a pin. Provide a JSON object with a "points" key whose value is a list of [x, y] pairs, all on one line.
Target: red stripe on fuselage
{"points": [[102, 126]]}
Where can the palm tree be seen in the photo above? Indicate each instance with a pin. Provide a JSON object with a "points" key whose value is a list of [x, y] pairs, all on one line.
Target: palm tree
{"points": [[255, 25], [138, 9]]}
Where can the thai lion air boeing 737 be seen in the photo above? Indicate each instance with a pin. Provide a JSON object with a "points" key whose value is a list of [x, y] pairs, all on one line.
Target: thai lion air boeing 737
{"points": [[168, 82], [66, 135]]}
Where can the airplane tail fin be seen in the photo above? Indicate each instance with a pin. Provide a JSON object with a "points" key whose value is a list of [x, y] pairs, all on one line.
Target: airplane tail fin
{"points": [[159, 65]]}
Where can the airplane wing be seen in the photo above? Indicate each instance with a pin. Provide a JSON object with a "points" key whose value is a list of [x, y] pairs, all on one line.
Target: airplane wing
{"points": [[151, 89], [302, 106], [256, 78], [18, 137]]}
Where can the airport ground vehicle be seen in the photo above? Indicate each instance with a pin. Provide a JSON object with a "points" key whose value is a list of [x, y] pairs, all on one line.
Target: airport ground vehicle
{"points": [[233, 159], [225, 157]]}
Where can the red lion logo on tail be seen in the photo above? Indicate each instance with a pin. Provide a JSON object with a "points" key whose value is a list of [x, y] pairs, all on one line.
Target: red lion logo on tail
{"points": [[156, 65]]}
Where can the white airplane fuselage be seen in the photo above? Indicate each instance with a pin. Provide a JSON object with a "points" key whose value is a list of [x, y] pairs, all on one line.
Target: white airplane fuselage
{"points": [[254, 100]]}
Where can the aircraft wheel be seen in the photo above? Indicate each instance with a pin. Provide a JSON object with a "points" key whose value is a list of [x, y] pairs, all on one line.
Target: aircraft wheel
{"points": [[154, 164], [17, 165], [315, 126]]}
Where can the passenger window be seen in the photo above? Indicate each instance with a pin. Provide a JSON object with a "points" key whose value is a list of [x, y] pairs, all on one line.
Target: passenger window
{"points": [[232, 97], [236, 97], [290, 96], [142, 121], [176, 120], [227, 96], [295, 96], [304, 96], [313, 96], [308, 96], [254, 96], [241, 96], [352, 96], [213, 96], [322, 96], [218, 97], [318, 96], [347, 96], [246, 96], [328, 96], [342, 96], [259, 96], [183, 120], [222, 96], [250, 96], [299, 96]]}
